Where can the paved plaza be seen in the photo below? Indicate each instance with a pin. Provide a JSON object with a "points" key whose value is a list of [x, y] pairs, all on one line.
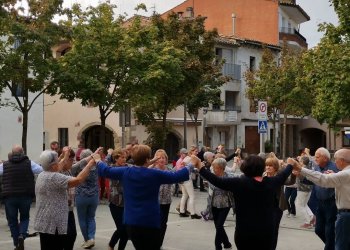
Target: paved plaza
{"points": [[182, 233]]}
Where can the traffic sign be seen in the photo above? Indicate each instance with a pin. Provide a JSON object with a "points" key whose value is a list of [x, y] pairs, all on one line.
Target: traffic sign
{"points": [[262, 111], [262, 127]]}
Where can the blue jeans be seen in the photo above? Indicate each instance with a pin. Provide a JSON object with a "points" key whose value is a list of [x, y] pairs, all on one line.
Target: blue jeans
{"points": [[326, 216], [13, 206], [86, 209], [342, 229]]}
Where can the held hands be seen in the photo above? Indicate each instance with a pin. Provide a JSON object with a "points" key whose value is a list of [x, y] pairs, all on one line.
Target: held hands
{"points": [[296, 165]]}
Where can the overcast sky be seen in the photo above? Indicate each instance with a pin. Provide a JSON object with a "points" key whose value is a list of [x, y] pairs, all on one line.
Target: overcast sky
{"points": [[319, 11]]}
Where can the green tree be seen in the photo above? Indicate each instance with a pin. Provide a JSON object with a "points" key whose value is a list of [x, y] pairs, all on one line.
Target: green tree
{"points": [[280, 84], [327, 69], [27, 63], [180, 56], [99, 64], [262, 85]]}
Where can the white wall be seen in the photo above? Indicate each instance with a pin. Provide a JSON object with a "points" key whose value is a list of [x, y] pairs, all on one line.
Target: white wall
{"points": [[11, 128]]}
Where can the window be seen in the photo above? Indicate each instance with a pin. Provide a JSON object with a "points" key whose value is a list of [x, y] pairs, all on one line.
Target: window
{"points": [[17, 89], [216, 106], [345, 140], [230, 100], [63, 136], [252, 63]]}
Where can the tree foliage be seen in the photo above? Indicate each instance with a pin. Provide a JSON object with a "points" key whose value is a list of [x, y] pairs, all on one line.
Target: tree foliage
{"points": [[27, 63], [279, 82], [327, 68], [180, 56]]}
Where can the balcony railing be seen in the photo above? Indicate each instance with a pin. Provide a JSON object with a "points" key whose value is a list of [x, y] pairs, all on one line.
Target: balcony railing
{"points": [[222, 117], [292, 31], [232, 70]]}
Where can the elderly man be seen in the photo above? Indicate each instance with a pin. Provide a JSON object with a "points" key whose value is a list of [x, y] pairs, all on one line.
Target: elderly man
{"points": [[18, 192], [341, 182], [327, 211]]}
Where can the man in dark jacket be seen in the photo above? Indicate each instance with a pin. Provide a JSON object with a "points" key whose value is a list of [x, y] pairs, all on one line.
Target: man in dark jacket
{"points": [[18, 192]]}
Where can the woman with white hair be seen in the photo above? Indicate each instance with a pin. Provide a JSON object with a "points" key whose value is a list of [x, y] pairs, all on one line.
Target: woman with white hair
{"points": [[222, 201], [51, 217]]}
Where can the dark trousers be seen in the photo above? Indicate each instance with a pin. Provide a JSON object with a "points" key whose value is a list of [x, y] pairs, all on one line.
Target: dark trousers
{"points": [[277, 216], [18, 207], [326, 216], [120, 234], [52, 241], [144, 238], [290, 194], [313, 203], [71, 232], [164, 214], [219, 216]]}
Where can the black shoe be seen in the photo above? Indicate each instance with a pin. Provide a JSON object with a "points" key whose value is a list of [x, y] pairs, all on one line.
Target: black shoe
{"points": [[20, 245], [195, 216], [184, 215], [188, 213]]}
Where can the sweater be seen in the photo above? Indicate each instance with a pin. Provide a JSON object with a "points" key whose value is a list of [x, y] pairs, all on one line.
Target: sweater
{"points": [[141, 191]]}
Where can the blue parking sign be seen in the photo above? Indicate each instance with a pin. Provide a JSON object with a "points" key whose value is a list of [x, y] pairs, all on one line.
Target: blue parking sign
{"points": [[262, 127]]}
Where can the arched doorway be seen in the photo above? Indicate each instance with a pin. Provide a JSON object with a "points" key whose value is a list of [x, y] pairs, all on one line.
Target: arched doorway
{"points": [[172, 145], [313, 139], [94, 135]]}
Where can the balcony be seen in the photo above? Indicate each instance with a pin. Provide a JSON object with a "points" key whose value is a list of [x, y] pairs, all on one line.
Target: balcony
{"points": [[232, 70], [223, 117], [291, 34]]}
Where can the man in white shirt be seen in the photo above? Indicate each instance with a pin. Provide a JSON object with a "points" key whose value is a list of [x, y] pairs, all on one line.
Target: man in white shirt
{"points": [[341, 182]]}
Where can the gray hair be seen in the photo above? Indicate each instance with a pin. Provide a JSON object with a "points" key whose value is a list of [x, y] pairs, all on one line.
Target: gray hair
{"points": [[343, 154], [221, 162], [208, 154], [47, 159], [323, 151], [85, 153]]}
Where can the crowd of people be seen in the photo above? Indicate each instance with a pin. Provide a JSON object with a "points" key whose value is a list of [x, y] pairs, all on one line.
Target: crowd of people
{"points": [[258, 189]]}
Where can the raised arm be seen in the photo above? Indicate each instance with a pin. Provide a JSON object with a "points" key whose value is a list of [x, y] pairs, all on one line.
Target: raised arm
{"points": [[327, 180]]}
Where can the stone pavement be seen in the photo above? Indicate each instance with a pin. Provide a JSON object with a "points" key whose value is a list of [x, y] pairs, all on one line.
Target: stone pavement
{"points": [[182, 233]]}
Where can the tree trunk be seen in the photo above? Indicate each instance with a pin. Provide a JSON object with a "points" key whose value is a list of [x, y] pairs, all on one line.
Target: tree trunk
{"points": [[102, 139], [25, 120], [195, 126], [284, 136], [274, 131]]}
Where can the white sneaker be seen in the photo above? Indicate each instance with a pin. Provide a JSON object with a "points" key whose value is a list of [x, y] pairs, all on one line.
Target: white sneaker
{"points": [[89, 244]]}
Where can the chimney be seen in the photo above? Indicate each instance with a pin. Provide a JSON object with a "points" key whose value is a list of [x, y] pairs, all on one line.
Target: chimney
{"points": [[233, 24]]}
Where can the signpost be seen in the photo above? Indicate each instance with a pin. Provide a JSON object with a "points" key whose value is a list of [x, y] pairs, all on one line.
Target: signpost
{"points": [[262, 123]]}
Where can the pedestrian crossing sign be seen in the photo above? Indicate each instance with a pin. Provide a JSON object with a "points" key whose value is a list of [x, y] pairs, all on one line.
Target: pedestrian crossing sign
{"points": [[262, 127]]}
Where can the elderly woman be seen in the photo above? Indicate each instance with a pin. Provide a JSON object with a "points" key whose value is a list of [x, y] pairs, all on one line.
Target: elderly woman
{"points": [[86, 199], [165, 193], [141, 194], [51, 217], [272, 168], [222, 201], [116, 205], [254, 199]]}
